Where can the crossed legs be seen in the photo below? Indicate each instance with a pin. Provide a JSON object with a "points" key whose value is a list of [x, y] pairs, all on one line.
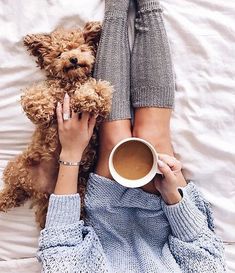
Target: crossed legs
{"points": [[151, 89]]}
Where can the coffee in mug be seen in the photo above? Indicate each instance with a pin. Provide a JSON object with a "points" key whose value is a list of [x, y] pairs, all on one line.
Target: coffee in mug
{"points": [[133, 162]]}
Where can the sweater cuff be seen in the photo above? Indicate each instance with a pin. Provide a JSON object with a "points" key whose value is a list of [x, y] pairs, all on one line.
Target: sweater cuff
{"points": [[185, 219], [63, 210]]}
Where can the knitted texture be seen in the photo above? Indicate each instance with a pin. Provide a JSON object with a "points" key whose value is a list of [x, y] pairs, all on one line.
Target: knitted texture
{"points": [[113, 57], [129, 231], [113, 5], [66, 245], [152, 80]]}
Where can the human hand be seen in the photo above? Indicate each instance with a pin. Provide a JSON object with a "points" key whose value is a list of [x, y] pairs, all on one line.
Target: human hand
{"points": [[74, 133], [172, 180]]}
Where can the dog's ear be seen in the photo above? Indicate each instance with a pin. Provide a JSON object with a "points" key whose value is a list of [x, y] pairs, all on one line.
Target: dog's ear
{"points": [[92, 32], [39, 46]]}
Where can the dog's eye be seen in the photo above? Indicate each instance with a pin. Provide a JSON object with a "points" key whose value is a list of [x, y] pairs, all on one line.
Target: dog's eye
{"points": [[58, 55]]}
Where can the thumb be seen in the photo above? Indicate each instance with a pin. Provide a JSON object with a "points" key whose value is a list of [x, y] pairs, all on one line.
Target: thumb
{"points": [[166, 170]]}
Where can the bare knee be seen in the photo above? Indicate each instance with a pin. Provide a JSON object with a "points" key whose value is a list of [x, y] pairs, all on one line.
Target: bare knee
{"points": [[153, 125], [159, 138], [113, 132]]}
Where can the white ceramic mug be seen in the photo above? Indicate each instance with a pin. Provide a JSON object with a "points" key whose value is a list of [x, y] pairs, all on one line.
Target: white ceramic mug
{"points": [[130, 183]]}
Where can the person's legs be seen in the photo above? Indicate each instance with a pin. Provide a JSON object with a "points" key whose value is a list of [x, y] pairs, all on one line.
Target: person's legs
{"points": [[152, 80], [113, 65]]}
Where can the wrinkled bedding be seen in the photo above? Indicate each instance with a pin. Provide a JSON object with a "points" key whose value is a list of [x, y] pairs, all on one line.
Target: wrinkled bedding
{"points": [[202, 40]]}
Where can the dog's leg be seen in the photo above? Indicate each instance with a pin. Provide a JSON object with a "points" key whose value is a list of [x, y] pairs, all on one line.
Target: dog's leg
{"points": [[94, 97], [46, 172], [14, 193], [11, 197], [39, 103]]}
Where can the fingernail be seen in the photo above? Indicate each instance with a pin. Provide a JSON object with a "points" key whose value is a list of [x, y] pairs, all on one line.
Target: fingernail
{"points": [[58, 104], [160, 163], [66, 95]]}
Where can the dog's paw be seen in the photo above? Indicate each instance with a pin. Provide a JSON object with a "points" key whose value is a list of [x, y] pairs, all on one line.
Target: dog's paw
{"points": [[93, 97], [38, 105]]}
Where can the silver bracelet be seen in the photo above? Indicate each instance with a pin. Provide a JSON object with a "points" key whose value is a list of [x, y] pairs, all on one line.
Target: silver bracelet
{"points": [[67, 163]]}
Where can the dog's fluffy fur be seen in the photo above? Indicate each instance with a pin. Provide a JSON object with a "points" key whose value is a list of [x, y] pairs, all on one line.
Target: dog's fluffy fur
{"points": [[67, 58]]}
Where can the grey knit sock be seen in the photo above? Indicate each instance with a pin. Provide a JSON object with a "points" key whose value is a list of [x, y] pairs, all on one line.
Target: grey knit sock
{"points": [[113, 57], [152, 80], [116, 5]]}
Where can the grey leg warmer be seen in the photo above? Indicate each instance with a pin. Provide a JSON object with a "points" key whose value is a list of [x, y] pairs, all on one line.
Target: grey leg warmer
{"points": [[113, 57], [152, 80]]}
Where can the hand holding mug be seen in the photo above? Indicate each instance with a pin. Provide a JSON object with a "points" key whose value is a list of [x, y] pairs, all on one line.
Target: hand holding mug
{"points": [[173, 179]]}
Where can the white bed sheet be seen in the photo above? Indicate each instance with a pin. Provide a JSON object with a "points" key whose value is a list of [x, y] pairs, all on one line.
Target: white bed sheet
{"points": [[202, 40]]}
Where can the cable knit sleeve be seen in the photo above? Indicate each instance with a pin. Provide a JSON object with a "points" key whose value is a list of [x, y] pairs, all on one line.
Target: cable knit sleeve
{"points": [[66, 244], [193, 242]]}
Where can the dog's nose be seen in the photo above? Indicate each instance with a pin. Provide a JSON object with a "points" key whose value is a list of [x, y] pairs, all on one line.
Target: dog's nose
{"points": [[73, 60]]}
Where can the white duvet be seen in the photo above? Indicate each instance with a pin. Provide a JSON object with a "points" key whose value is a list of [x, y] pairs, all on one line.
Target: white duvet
{"points": [[202, 39]]}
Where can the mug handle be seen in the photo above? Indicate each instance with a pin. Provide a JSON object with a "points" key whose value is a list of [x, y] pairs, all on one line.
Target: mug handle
{"points": [[158, 171]]}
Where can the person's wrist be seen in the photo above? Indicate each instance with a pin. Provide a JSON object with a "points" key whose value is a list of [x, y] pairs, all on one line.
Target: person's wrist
{"points": [[71, 156], [172, 198]]}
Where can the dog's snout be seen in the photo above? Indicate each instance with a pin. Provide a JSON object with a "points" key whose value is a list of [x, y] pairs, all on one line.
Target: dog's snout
{"points": [[73, 60]]}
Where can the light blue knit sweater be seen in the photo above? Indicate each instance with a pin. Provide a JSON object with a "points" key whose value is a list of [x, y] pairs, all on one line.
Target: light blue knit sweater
{"points": [[129, 231]]}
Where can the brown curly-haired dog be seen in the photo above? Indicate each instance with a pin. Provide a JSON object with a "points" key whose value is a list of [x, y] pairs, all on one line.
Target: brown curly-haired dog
{"points": [[68, 58]]}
